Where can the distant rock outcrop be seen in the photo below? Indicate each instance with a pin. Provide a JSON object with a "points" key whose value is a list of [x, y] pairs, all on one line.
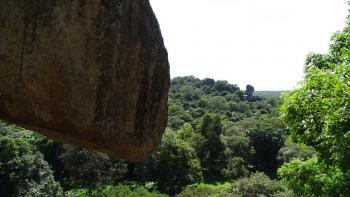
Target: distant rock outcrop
{"points": [[93, 73], [249, 90]]}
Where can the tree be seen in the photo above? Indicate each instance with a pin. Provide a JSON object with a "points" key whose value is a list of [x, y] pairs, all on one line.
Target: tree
{"points": [[266, 141], [291, 151], [238, 146], [23, 171], [189, 135], [51, 151], [174, 165], [217, 103], [84, 168], [318, 114], [207, 82], [212, 149], [236, 168], [222, 86], [315, 177]]}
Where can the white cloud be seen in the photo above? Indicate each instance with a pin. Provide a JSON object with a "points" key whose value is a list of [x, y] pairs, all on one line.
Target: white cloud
{"points": [[263, 43]]}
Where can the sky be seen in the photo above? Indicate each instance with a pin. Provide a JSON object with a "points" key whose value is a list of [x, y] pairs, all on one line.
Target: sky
{"points": [[259, 42]]}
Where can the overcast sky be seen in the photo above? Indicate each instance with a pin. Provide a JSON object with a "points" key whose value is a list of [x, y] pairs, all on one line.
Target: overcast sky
{"points": [[258, 42]]}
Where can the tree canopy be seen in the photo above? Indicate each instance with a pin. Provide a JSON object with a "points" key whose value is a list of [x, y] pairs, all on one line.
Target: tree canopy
{"points": [[318, 114]]}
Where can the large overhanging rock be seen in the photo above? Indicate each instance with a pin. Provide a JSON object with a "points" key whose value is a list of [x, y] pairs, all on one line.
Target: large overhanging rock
{"points": [[92, 73]]}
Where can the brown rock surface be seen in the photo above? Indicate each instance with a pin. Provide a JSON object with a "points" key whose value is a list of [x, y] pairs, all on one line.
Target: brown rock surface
{"points": [[93, 73]]}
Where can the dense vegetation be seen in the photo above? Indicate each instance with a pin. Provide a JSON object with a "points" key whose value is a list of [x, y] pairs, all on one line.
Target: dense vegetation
{"points": [[318, 114], [220, 141], [216, 134]]}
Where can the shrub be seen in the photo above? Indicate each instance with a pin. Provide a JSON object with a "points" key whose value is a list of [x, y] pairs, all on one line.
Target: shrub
{"points": [[259, 184], [202, 189], [129, 190]]}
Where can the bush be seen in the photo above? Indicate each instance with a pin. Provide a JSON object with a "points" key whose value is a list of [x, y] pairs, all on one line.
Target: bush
{"points": [[259, 184], [214, 189], [292, 151], [314, 177], [129, 190]]}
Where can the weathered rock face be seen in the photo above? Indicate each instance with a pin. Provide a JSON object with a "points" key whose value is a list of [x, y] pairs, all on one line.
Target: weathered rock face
{"points": [[93, 73]]}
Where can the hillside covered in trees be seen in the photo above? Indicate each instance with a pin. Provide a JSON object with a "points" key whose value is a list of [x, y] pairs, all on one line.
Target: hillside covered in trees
{"points": [[216, 134]]}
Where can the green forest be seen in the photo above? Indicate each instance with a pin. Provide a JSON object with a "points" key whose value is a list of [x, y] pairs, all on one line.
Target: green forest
{"points": [[220, 140]]}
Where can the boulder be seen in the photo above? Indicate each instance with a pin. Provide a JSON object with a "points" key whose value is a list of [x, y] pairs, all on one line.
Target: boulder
{"points": [[249, 90], [92, 73]]}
